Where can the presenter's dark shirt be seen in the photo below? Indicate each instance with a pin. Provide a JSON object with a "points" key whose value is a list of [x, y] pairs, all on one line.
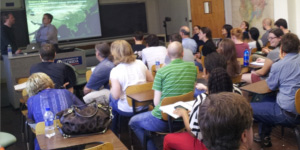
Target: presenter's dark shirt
{"points": [[60, 73], [138, 47], [7, 38], [208, 47], [199, 42]]}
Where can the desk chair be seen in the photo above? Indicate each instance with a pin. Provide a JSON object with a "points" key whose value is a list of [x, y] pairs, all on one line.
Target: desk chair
{"points": [[200, 49], [167, 101], [7, 139], [237, 79], [88, 75], [132, 103], [296, 128], [253, 50], [104, 146], [153, 69]]}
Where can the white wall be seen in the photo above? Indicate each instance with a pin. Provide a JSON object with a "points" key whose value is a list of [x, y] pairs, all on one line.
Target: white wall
{"points": [[178, 10]]}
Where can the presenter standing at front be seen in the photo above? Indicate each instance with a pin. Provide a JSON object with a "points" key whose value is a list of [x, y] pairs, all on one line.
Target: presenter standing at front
{"points": [[47, 33]]}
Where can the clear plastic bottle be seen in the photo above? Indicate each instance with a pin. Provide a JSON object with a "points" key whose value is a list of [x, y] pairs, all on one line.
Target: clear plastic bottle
{"points": [[49, 126], [9, 51], [246, 57], [157, 64]]}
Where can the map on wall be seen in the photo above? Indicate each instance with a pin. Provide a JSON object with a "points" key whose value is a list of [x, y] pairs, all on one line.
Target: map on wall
{"points": [[252, 11]]}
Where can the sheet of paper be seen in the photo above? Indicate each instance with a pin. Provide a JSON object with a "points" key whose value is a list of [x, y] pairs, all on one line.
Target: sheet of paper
{"points": [[169, 109], [257, 63], [20, 87]]}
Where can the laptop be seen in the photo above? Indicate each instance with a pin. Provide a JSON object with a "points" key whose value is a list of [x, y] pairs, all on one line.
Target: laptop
{"points": [[31, 48]]}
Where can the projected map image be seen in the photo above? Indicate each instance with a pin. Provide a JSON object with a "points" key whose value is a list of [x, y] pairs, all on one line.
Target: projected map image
{"points": [[74, 19]]}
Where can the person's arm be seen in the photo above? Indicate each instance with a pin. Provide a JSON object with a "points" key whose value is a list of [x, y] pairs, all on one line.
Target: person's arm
{"points": [[51, 34], [149, 76], [273, 79], [185, 116], [115, 89], [86, 90], [157, 96], [266, 68], [38, 36], [99, 78], [70, 78]]}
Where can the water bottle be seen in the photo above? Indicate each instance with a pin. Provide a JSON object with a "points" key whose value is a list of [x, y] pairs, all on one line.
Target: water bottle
{"points": [[157, 64], [49, 126], [246, 57], [9, 51]]}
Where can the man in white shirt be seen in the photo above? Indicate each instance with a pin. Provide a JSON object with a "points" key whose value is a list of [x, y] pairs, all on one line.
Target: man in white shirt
{"points": [[153, 52]]}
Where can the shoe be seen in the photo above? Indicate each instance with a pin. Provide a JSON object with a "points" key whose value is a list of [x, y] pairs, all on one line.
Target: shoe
{"points": [[266, 142]]}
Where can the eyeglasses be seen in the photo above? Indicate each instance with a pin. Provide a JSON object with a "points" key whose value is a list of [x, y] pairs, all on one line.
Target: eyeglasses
{"points": [[271, 38]]}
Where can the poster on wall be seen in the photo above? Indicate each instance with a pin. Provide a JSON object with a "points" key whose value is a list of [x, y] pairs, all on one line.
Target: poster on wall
{"points": [[252, 11]]}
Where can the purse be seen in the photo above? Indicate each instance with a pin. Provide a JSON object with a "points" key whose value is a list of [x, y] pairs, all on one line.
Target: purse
{"points": [[85, 119]]}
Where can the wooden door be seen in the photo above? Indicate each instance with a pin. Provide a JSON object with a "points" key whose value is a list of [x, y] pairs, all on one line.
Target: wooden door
{"points": [[214, 20]]}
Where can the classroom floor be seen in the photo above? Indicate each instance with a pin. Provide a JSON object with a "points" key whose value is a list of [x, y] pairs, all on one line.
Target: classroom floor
{"points": [[11, 122]]}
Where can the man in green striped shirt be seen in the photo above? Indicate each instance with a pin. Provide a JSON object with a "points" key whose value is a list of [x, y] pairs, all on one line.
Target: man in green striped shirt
{"points": [[177, 78]]}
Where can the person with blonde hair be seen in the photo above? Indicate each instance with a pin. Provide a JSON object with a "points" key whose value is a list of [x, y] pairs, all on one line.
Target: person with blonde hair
{"points": [[237, 38], [128, 71], [42, 95]]}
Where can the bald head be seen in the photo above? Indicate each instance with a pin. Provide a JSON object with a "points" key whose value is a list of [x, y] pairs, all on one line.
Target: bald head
{"points": [[175, 50], [184, 31], [267, 24]]}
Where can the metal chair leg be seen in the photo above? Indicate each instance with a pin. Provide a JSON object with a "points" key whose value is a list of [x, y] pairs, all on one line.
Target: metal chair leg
{"points": [[131, 139], [297, 132]]}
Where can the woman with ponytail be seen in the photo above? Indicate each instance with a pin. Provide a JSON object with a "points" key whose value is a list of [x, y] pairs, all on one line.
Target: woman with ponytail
{"points": [[255, 42]]}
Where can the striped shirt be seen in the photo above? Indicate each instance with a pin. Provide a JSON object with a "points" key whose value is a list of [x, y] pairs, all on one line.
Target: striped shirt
{"points": [[175, 79]]}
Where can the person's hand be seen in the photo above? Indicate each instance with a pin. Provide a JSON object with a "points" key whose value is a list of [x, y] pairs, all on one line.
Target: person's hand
{"points": [[18, 51], [260, 60], [180, 112], [66, 84], [265, 50], [201, 86]]}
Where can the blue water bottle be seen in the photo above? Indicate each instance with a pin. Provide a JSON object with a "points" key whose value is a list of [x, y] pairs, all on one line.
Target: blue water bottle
{"points": [[9, 51], [157, 64], [246, 57]]}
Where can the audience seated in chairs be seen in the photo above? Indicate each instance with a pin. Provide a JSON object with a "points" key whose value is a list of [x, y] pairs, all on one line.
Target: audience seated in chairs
{"points": [[138, 46], [267, 25], [61, 74], [206, 36], [285, 76], [226, 31], [254, 41], [153, 52], [225, 120], [245, 29], [227, 49], [175, 79], [196, 30], [128, 71], [272, 57], [218, 81], [42, 95], [98, 84]]}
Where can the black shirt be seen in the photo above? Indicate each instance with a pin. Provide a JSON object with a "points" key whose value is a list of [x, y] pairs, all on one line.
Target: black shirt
{"points": [[138, 47], [208, 47], [199, 42], [7, 38], [60, 73]]}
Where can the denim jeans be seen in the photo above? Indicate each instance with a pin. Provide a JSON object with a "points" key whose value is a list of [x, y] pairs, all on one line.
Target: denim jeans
{"points": [[116, 112], [146, 121], [199, 65], [268, 113]]}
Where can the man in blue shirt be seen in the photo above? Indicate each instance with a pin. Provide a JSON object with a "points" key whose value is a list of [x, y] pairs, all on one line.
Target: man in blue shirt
{"points": [[187, 42], [100, 76], [285, 76], [47, 33]]}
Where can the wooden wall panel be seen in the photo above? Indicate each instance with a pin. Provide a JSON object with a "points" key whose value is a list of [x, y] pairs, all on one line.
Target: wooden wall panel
{"points": [[215, 20]]}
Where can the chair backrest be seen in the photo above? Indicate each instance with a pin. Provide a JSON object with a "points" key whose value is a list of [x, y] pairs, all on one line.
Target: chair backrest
{"points": [[171, 100], [153, 69], [237, 79], [88, 75], [137, 89], [40, 127], [297, 101], [241, 61], [104, 146], [200, 49], [22, 80], [202, 60], [253, 50]]}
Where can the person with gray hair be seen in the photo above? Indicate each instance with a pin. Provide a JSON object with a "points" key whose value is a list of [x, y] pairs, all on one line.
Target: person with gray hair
{"points": [[42, 95], [187, 42]]}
